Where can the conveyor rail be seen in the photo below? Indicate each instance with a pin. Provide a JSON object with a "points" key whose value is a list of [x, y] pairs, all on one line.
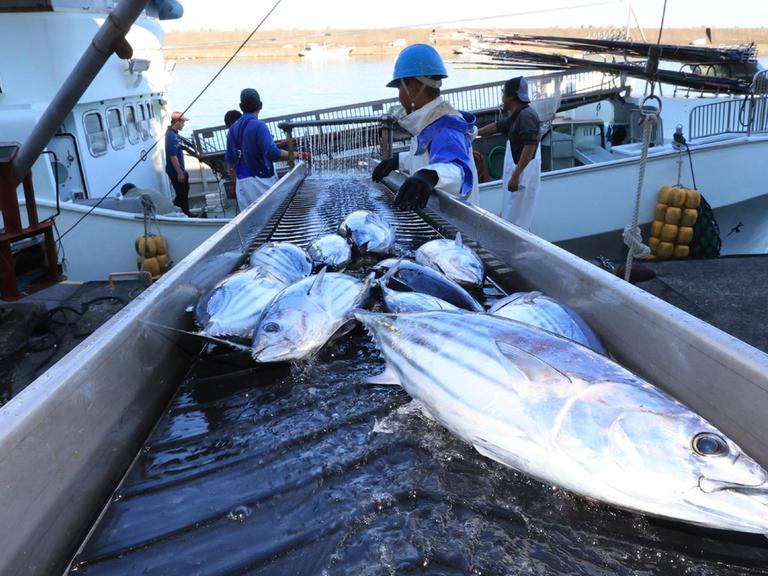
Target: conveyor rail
{"points": [[274, 469]]}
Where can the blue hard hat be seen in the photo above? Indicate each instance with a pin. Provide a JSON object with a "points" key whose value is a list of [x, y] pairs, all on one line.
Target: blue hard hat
{"points": [[417, 60]]}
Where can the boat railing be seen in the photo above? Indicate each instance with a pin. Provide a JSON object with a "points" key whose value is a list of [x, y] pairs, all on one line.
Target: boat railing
{"points": [[748, 115], [476, 98]]}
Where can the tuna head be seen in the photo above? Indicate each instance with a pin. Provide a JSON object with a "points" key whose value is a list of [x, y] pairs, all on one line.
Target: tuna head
{"points": [[289, 333], [662, 458]]}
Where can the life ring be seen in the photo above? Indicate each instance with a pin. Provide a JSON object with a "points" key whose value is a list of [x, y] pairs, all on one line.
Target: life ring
{"points": [[489, 160]]}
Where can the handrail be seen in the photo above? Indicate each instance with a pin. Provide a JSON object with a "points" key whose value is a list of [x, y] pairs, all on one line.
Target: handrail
{"points": [[748, 115], [478, 97]]}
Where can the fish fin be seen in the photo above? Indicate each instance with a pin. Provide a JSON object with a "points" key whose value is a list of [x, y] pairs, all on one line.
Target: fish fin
{"points": [[199, 335], [529, 297], [318, 280], [389, 273], [365, 291], [386, 378], [535, 369], [488, 452], [458, 241]]}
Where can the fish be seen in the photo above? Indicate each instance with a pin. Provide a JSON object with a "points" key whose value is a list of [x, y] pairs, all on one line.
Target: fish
{"points": [[368, 232], [234, 305], [283, 260], [452, 258], [330, 250], [548, 314], [565, 415], [414, 277], [397, 301], [306, 314]]}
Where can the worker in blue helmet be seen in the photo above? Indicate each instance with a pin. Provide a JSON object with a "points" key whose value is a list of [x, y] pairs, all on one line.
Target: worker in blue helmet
{"points": [[440, 155]]}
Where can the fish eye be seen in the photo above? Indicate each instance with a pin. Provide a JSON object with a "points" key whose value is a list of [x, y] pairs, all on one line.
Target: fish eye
{"points": [[271, 327], [707, 444]]}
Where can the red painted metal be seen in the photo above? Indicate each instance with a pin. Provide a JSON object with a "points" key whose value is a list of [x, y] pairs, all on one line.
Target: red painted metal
{"points": [[15, 232]]}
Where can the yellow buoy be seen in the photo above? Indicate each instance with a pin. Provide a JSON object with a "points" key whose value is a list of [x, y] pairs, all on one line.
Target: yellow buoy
{"points": [[653, 243], [681, 251], [692, 199], [656, 227], [161, 245], [669, 233], [145, 243], [665, 194], [677, 197], [673, 215], [688, 217], [685, 236], [162, 260], [665, 250], [151, 265], [660, 212]]}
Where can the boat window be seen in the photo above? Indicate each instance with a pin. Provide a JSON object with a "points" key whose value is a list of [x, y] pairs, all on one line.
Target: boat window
{"points": [[95, 134], [116, 129], [142, 118], [131, 124]]}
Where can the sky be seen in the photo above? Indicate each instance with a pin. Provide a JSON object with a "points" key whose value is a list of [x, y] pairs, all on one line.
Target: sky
{"points": [[348, 14]]}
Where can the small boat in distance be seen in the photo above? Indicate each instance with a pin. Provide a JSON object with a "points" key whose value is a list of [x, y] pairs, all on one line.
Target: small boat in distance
{"points": [[315, 50]]}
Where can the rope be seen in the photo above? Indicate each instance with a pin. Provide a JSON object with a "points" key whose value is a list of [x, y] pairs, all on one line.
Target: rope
{"points": [[632, 236]]}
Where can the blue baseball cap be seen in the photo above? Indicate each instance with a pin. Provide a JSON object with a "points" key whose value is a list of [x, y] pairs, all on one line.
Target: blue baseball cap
{"points": [[517, 86]]}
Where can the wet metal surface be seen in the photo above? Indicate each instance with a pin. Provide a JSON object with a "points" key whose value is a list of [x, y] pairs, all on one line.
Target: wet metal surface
{"points": [[280, 469]]}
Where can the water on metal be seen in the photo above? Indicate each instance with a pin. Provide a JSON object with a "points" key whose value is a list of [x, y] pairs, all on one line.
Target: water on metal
{"points": [[308, 470]]}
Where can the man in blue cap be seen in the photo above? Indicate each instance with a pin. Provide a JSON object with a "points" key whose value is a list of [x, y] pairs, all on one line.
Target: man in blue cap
{"points": [[521, 176], [251, 151], [440, 156]]}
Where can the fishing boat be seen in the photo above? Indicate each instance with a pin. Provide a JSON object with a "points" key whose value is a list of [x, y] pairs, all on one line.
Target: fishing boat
{"points": [[709, 134], [138, 453], [113, 134], [314, 50]]}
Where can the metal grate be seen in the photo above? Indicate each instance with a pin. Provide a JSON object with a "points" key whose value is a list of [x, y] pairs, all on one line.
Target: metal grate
{"points": [[274, 469]]}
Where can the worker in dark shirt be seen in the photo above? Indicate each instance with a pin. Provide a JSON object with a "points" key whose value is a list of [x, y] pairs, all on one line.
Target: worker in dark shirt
{"points": [[174, 162], [522, 164], [251, 152]]}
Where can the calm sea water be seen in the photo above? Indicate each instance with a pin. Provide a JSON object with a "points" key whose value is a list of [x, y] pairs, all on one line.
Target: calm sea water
{"points": [[295, 85]]}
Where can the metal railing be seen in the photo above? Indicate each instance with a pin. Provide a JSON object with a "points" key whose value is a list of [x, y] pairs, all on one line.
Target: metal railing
{"points": [[477, 98], [748, 115]]}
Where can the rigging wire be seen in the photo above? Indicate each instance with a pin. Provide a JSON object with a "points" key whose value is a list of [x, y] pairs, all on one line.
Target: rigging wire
{"points": [[144, 154]]}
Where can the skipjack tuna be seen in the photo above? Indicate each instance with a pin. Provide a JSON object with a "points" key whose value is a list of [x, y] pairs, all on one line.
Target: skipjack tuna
{"points": [[566, 415]]}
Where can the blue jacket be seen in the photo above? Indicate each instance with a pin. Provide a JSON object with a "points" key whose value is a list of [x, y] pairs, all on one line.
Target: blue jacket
{"points": [[172, 149], [449, 140], [250, 148]]}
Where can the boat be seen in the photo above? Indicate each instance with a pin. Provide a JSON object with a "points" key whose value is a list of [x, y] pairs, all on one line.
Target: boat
{"points": [[710, 134], [314, 50], [68, 440], [113, 134]]}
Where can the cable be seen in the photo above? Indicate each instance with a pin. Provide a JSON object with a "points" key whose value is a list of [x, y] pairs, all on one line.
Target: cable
{"points": [[156, 142]]}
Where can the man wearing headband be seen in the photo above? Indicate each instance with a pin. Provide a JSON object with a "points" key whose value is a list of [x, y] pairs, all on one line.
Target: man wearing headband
{"points": [[440, 156], [521, 176]]}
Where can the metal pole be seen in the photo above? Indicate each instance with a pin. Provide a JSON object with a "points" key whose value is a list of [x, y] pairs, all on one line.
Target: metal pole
{"points": [[110, 38]]}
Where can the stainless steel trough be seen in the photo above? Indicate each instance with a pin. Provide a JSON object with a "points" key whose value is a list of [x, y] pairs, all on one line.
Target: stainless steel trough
{"points": [[68, 438]]}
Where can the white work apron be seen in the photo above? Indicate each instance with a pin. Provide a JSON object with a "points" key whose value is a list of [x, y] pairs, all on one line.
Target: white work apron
{"points": [[251, 189], [519, 207]]}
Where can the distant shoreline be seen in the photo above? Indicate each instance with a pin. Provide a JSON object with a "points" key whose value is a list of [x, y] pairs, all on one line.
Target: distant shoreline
{"points": [[286, 44]]}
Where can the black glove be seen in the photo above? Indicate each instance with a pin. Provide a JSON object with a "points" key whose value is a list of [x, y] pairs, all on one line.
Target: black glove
{"points": [[384, 167], [416, 189]]}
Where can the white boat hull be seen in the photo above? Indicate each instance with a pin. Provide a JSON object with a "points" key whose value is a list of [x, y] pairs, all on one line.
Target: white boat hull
{"points": [[104, 242], [576, 207]]}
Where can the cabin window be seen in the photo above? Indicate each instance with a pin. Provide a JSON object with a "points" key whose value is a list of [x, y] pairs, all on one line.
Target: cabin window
{"points": [[115, 128], [95, 134], [143, 122], [131, 124]]}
